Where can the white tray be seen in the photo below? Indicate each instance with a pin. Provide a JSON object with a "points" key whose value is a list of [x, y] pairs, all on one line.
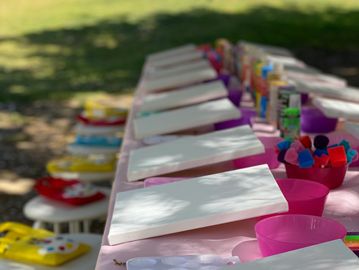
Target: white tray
{"points": [[183, 96], [179, 80], [191, 152], [195, 203], [185, 118], [332, 255]]}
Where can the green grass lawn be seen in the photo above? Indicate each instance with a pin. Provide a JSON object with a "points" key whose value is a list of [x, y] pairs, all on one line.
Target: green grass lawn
{"points": [[57, 49]]}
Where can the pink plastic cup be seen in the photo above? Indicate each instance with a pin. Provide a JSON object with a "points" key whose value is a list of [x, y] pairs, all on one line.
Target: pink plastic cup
{"points": [[331, 177], [303, 196], [268, 157], [284, 233]]}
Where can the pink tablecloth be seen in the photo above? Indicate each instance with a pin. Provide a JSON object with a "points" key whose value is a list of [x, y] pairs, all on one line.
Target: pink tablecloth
{"points": [[342, 204]]}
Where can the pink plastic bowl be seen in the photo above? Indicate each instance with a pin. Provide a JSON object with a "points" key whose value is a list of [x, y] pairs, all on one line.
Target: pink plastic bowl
{"points": [[331, 177], [304, 197], [268, 157], [284, 233]]}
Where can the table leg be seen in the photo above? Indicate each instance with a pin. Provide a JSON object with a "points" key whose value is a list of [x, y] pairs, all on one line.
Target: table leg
{"points": [[87, 225], [77, 226], [38, 224], [57, 228], [71, 227]]}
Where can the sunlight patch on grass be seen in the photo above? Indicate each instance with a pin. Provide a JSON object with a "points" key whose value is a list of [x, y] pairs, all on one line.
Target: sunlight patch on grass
{"points": [[23, 16]]}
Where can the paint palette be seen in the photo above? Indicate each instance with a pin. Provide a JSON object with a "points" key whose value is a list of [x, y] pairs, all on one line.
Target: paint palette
{"points": [[198, 262]]}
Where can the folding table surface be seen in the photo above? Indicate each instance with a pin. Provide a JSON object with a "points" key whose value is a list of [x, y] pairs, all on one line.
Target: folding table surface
{"points": [[342, 204]]}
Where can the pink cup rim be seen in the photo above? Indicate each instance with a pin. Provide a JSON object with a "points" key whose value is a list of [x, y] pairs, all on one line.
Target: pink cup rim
{"points": [[260, 223], [324, 189]]}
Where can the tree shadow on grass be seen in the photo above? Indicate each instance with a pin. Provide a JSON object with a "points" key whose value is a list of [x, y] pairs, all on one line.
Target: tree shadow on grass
{"points": [[108, 56]]}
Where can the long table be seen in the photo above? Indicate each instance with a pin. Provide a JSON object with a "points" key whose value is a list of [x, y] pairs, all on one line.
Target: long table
{"points": [[342, 204]]}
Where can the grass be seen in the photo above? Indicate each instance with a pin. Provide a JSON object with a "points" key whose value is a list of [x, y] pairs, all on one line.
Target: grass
{"points": [[65, 48]]}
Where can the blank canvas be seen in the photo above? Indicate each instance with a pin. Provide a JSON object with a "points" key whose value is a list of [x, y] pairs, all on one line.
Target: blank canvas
{"points": [[333, 255], [179, 80], [337, 108], [178, 69], [192, 152], [183, 96], [185, 118], [177, 59], [195, 203], [171, 52]]}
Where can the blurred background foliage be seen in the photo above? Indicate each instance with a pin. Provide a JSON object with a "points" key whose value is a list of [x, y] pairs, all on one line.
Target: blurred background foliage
{"points": [[60, 49]]}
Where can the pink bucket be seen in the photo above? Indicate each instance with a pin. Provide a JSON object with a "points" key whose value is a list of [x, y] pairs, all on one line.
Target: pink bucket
{"points": [[331, 177]]}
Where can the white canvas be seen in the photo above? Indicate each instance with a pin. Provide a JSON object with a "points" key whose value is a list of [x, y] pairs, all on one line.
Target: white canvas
{"points": [[170, 52], [183, 96], [176, 59], [329, 89], [178, 69], [179, 80], [332, 255], [195, 203], [191, 152], [185, 118], [337, 108]]}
